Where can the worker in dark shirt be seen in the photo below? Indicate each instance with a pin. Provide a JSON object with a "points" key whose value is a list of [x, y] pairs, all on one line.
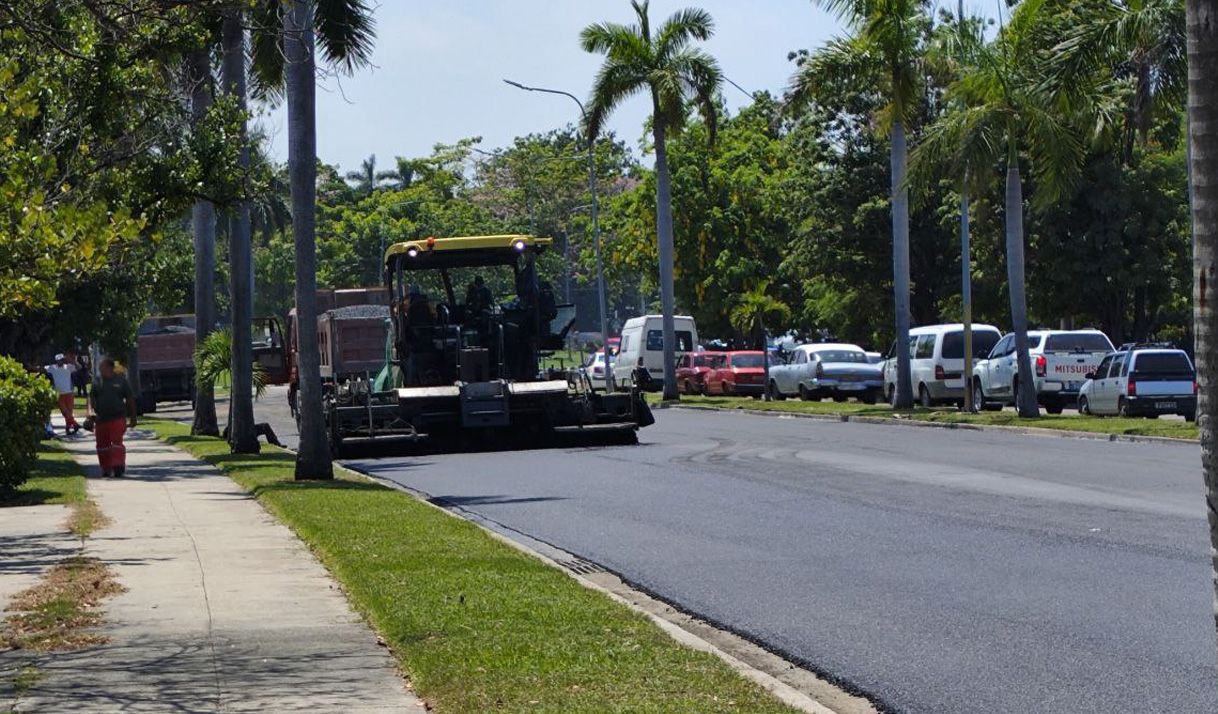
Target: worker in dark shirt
{"points": [[114, 409]]}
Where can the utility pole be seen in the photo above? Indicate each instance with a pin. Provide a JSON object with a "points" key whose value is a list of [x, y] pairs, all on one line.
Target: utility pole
{"points": [[596, 228]]}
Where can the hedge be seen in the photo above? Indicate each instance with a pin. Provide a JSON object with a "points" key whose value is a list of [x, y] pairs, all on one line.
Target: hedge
{"points": [[25, 403]]}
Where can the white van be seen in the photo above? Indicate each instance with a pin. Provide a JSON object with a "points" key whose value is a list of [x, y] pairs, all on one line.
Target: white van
{"points": [[936, 361], [643, 346]]}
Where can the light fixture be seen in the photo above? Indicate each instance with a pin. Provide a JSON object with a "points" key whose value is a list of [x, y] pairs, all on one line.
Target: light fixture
{"points": [[519, 246], [412, 252]]}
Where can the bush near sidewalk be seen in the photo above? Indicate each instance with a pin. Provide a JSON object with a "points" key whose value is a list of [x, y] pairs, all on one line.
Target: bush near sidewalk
{"points": [[25, 401], [476, 624]]}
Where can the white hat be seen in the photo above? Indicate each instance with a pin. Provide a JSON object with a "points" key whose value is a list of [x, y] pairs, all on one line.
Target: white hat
{"points": [[59, 357]]}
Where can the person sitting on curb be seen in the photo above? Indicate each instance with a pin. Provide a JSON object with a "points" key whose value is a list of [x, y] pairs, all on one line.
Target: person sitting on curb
{"points": [[114, 408]]}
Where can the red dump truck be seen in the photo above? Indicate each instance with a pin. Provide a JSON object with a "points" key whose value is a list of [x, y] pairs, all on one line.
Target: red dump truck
{"points": [[165, 359], [352, 325]]}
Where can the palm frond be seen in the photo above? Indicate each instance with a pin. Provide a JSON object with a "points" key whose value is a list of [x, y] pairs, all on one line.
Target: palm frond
{"points": [[614, 82], [214, 359], [1055, 150], [702, 79], [680, 29], [267, 62], [346, 32], [841, 62]]}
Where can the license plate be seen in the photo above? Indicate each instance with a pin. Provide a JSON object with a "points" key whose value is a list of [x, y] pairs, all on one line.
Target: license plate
{"points": [[1165, 405], [1072, 386]]}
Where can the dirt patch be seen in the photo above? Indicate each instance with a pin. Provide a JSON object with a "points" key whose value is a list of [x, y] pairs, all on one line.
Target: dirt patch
{"points": [[60, 611]]}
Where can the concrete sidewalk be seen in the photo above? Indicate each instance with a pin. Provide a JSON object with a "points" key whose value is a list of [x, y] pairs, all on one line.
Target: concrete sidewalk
{"points": [[225, 610]]}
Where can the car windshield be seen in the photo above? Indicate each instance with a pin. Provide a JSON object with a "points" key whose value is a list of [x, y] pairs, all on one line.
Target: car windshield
{"points": [[1162, 363], [1077, 342], [983, 342], [842, 356], [747, 361], [705, 360]]}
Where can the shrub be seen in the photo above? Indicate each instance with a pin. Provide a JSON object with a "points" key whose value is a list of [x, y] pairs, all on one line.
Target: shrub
{"points": [[25, 402]]}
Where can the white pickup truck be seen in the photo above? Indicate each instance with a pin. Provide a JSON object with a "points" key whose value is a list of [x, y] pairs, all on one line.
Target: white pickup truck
{"points": [[1061, 360]]}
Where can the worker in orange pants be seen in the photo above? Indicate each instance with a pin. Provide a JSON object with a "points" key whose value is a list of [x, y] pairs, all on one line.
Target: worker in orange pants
{"points": [[114, 409]]}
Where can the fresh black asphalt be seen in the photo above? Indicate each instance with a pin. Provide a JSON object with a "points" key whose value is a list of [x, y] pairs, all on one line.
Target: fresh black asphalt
{"points": [[932, 570]]}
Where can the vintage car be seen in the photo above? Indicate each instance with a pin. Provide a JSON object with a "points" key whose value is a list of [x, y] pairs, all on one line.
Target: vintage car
{"points": [[817, 371], [692, 368], [738, 374]]}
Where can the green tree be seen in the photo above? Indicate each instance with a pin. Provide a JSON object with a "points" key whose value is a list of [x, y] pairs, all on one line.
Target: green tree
{"points": [[886, 50], [665, 64], [367, 177], [752, 311]]}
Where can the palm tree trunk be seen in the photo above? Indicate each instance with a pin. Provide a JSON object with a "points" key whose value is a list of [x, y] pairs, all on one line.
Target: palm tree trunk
{"points": [[903, 399], [664, 231], [242, 437], [966, 295], [1026, 402], [203, 230], [313, 454], [1203, 133]]}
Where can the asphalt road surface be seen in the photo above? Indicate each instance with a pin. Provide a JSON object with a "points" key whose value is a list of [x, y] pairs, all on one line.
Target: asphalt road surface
{"points": [[932, 570]]}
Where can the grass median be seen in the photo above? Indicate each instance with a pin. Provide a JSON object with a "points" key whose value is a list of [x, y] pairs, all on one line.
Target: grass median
{"points": [[477, 625], [1174, 428]]}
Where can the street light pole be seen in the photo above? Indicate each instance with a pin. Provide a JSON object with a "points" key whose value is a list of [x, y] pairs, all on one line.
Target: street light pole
{"points": [[596, 228]]}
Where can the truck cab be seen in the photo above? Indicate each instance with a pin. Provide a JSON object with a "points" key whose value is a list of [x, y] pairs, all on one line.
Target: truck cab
{"points": [[1061, 360]]}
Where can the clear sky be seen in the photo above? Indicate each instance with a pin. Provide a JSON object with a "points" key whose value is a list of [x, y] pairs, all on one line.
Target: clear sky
{"points": [[438, 69]]}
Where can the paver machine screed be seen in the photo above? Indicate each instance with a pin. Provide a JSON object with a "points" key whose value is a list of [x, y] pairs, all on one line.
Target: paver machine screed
{"points": [[470, 323]]}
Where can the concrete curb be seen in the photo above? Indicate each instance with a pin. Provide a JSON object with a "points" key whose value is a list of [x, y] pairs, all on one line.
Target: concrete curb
{"points": [[898, 421]]}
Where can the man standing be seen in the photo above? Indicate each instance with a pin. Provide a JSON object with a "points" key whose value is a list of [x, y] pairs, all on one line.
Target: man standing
{"points": [[61, 375], [114, 408]]}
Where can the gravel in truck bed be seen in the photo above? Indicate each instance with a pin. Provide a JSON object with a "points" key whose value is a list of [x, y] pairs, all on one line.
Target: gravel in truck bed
{"points": [[356, 312]]}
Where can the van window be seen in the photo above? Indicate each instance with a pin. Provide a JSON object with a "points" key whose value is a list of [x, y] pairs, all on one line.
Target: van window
{"points": [[983, 342], [655, 341], [625, 347], [1162, 363], [926, 347], [1115, 369]]}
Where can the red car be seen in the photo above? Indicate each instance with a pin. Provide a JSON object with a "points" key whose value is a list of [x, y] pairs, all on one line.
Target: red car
{"points": [[741, 374], [693, 367]]}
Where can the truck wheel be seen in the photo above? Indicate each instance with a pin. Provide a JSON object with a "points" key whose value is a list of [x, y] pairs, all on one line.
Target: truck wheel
{"points": [[804, 395], [978, 396], [924, 397], [1190, 416], [1123, 408], [1084, 407], [774, 393]]}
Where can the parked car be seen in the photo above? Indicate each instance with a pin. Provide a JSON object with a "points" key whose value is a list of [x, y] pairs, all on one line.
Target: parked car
{"points": [[693, 367], [1061, 359], [1141, 380], [643, 346], [738, 374], [936, 361], [594, 369], [816, 371]]}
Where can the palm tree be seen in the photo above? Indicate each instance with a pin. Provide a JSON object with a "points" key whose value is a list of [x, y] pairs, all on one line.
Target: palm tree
{"points": [[346, 33], [203, 230], [403, 174], [752, 310], [214, 363], [1139, 41], [664, 64], [1202, 108], [242, 437], [366, 178], [886, 50], [1000, 109]]}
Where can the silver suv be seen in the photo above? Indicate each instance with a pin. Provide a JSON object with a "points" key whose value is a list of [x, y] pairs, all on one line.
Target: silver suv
{"points": [[1141, 380]]}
